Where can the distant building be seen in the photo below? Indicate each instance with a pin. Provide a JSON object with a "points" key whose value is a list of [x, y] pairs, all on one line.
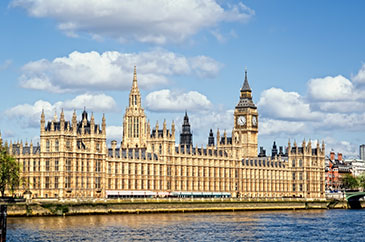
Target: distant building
{"points": [[357, 166], [335, 170], [362, 152]]}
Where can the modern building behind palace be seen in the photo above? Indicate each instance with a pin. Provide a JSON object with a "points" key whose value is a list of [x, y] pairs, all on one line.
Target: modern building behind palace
{"points": [[74, 161]]}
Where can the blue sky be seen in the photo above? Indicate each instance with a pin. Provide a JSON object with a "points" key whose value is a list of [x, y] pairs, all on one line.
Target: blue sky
{"points": [[305, 65]]}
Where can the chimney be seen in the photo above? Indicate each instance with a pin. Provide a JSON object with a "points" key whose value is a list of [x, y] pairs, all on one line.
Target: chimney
{"points": [[339, 156], [332, 155]]}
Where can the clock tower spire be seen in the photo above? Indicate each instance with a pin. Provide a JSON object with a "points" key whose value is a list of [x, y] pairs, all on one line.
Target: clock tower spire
{"points": [[245, 129]]}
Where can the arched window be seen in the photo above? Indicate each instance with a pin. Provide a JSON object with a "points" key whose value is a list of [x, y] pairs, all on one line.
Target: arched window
{"points": [[293, 163], [47, 145]]}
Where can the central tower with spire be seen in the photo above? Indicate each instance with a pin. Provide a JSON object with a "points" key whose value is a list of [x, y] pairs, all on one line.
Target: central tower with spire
{"points": [[245, 131], [134, 121]]}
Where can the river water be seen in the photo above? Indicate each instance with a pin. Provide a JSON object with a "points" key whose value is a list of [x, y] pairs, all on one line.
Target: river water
{"points": [[304, 225]]}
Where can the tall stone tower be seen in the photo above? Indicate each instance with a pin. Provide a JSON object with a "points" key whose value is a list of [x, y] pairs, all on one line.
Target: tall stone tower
{"points": [[186, 137], [134, 121], [245, 129]]}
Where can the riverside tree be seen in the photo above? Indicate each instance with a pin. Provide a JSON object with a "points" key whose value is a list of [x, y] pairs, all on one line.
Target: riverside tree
{"points": [[9, 171], [349, 182], [361, 180]]}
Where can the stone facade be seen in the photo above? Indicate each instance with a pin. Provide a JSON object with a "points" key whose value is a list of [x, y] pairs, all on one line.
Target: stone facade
{"points": [[73, 159]]}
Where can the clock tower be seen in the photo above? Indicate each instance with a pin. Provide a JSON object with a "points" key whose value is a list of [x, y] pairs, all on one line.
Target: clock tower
{"points": [[245, 131]]}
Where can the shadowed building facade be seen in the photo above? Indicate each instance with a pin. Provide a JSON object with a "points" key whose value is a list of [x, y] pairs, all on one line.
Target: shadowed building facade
{"points": [[73, 159]]}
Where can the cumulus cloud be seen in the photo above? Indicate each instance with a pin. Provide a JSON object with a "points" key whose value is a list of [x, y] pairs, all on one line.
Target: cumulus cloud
{"points": [[339, 106], [29, 114], [282, 127], [157, 21], [112, 70], [360, 76], [331, 88], [347, 148], [170, 101], [331, 103], [277, 103], [114, 132]]}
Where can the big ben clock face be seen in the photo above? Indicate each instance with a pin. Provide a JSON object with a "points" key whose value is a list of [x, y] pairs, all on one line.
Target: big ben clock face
{"points": [[241, 120], [254, 120]]}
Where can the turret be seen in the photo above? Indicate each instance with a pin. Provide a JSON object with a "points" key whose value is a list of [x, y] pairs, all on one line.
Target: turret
{"points": [[218, 137], [103, 125], [62, 120], [92, 124], [186, 137], [173, 129], [211, 138], [164, 128], [43, 122]]}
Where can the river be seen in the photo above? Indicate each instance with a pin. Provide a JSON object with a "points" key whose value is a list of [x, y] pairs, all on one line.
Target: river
{"points": [[303, 225]]}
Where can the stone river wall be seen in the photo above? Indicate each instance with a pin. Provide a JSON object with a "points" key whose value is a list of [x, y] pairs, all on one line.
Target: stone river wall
{"points": [[78, 207]]}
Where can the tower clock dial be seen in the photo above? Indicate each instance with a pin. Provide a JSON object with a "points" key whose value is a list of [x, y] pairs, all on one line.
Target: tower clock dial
{"points": [[254, 120], [241, 120]]}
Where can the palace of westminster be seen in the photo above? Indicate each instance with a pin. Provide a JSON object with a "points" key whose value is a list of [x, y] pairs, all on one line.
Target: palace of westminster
{"points": [[73, 159]]}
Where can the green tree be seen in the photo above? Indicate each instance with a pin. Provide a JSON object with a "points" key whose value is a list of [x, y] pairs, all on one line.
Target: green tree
{"points": [[9, 171], [349, 182], [361, 180]]}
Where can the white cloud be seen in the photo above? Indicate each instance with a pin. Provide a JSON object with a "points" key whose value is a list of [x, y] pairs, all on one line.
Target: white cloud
{"points": [[112, 70], [29, 114], [360, 76], [171, 101], [157, 21], [94, 102], [114, 132], [5, 65], [347, 148], [340, 106], [276, 103], [331, 88], [341, 121], [284, 128]]}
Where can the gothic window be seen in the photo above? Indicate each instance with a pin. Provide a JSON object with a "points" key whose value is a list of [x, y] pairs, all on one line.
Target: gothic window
{"points": [[68, 165], [47, 165], [47, 145], [300, 163], [293, 163], [130, 127], [137, 129], [293, 187], [116, 168], [56, 182], [98, 166], [97, 182], [293, 176], [160, 149], [56, 145], [47, 182], [67, 182]]}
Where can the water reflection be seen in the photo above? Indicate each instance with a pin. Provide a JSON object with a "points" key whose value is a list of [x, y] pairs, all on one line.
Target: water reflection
{"points": [[235, 226]]}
